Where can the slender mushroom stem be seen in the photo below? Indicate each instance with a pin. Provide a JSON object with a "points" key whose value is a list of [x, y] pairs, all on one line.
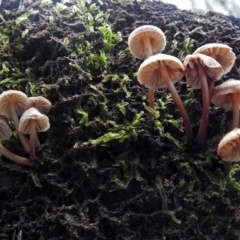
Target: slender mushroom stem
{"points": [[32, 139], [202, 131], [235, 110], [37, 143], [151, 97], [22, 137], [13, 157], [210, 88], [177, 100], [227, 167], [148, 47]]}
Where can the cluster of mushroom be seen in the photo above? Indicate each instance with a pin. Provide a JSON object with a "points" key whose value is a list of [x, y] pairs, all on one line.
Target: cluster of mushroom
{"points": [[201, 69], [159, 70], [33, 119]]}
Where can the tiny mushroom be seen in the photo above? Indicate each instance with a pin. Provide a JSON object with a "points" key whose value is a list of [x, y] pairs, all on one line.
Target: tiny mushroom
{"points": [[227, 96], [161, 71], [221, 53], [5, 133], [202, 71], [31, 122], [12, 104], [42, 104], [229, 149], [145, 41]]}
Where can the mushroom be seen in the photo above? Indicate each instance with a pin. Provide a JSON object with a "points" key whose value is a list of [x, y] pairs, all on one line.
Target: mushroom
{"points": [[12, 104], [201, 71], [229, 148], [145, 41], [221, 53], [42, 104], [31, 122], [5, 133], [227, 96], [163, 70]]}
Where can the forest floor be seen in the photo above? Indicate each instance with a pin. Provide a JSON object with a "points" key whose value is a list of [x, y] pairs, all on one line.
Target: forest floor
{"points": [[109, 167]]}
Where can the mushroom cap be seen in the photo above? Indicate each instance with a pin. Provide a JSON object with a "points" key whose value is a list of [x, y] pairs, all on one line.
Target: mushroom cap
{"points": [[136, 43], [32, 114], [221, 53], [221, 93], [5, 130], [42, 104], [212, 68], [150, 76], [17, 98], [229, 147]]}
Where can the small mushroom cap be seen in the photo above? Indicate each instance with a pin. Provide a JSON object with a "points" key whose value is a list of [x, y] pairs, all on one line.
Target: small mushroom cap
{"points": [[42, 104], [5, 130], [221, 94], [150, 76], [32, 114], [229, 147], [221, 53], [136, 43], [17, 98], [212, 68]]}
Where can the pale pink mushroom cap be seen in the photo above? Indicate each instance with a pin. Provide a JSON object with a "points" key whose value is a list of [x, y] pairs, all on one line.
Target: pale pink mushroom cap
{"points": [[150, 76], [42, 104], [212, 68], [17, 98], [221, 53], [229, 147], [41, 120], [221, 94], [136, 40]]}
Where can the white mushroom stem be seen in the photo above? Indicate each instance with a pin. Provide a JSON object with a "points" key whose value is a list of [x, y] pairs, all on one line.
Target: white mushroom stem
{"points": [[13, 157], [22, 137], [202, 131], [235, 110], [178, 101], [148, 47], [33, 134]]}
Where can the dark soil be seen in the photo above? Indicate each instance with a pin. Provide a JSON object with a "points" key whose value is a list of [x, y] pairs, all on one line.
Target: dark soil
{"points": [[152, 184]]}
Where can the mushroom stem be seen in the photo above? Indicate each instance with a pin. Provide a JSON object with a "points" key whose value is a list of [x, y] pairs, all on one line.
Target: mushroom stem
{"points": [[202, 131], [22, 137], [151, 97], [13, 157], [32, 139], [210, 88], [37, 143], [235, 110], [227, 167], [177, 100], [148, 47]]}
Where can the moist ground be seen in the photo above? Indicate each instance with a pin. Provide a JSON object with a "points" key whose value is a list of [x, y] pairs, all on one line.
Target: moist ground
{"points": [[108, 168]]}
